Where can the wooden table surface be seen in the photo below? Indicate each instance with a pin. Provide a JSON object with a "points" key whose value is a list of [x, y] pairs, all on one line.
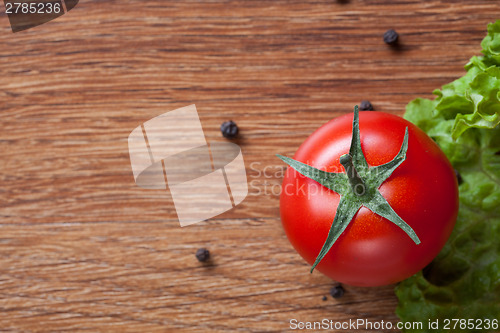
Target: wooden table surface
{"points": [[82, 248]]}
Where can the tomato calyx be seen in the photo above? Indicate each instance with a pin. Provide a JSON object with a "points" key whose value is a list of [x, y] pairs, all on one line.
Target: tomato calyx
{"points": [[357, 187]]}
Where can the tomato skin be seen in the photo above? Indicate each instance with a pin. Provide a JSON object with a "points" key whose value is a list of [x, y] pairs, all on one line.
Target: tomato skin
{"points": [[372, 251]]}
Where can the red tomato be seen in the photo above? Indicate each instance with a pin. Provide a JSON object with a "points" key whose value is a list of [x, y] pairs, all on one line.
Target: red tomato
{"points": [[372, 251]]}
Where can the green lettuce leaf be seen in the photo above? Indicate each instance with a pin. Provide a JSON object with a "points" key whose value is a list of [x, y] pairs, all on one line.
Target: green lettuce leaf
{"points": [[463, 281], [491, 43]]}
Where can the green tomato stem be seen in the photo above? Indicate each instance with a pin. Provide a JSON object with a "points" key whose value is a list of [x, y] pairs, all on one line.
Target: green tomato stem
{"points": [[357, 184]]}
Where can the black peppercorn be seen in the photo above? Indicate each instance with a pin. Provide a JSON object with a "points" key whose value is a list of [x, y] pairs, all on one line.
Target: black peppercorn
{"points": [[391, 37], [459, 177], [365, 106], [202, 255], [324, 298], [337, 291], [229, 129]]}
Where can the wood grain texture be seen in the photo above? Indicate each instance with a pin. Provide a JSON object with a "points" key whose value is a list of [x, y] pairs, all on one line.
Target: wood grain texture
{"points": [[82, 248]]}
